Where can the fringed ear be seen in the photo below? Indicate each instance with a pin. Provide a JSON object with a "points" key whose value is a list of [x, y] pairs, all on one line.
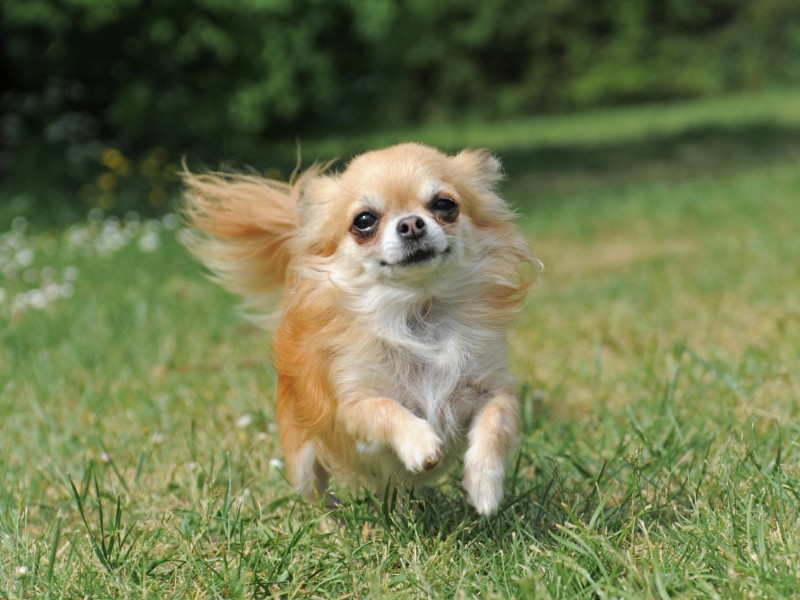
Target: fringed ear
{"points": [[317, 193], [480, 167], [241, 229], [313, 192], [510, 265], [477, 174]]}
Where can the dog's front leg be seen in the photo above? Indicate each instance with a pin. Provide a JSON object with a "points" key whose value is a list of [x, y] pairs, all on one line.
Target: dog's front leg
{"points": [[492, 435], [383, 420]]}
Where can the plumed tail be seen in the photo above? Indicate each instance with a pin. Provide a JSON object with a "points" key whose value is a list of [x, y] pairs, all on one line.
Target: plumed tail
{"points": [[241, 227]]}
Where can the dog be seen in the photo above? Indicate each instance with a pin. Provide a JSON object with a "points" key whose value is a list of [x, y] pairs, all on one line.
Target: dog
{"points": [[399, 276]]}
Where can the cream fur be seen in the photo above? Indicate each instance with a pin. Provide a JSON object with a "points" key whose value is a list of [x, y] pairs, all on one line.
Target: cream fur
{"points": [[391, 352]]}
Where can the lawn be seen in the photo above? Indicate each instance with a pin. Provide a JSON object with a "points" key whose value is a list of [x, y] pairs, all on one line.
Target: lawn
{"points": [[657, 366]]}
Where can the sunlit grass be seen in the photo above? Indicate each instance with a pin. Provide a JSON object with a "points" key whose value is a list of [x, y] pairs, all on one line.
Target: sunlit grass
{"points": [[657, 362], [780, 107]]}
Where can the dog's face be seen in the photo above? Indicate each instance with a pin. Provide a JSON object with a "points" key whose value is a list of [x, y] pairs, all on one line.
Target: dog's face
{"points": [[401, 221], [403, 213]]}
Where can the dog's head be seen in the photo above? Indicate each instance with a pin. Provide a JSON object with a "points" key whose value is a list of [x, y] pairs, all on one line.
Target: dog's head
{"points": [[408, 214]]}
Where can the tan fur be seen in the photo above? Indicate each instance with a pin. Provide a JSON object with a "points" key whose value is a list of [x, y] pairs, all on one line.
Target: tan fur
{"points": [[354, 329]]}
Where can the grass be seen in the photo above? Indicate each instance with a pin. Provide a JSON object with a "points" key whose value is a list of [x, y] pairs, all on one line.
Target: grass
{"points": [[657, 363]]}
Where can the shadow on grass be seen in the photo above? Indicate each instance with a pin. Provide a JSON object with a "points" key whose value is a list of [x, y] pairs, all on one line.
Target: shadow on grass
{"points": [[557, 482], [533, 509], [694, 152]]}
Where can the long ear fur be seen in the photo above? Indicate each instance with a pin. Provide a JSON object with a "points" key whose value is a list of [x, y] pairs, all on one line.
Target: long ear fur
{"points": [[480, 168], [513, 268], [241, 228]]}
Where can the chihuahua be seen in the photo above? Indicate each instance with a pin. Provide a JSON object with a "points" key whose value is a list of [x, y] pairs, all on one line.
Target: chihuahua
{"points": [[399, 276]]}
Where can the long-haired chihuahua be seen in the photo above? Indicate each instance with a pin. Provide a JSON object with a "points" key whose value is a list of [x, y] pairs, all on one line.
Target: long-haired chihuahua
{"points": [[399, 277]]}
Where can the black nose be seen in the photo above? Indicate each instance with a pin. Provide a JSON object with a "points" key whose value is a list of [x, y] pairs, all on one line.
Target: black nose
{"points": [[411, 228]]}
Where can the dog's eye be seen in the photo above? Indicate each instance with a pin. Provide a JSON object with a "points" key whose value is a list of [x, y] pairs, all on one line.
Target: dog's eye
{"points": [[365, 222], [445, 208]]}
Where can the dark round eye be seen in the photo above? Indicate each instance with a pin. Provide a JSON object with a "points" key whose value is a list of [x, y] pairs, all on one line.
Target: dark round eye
{"points": [[445, 206], [365, 222]]}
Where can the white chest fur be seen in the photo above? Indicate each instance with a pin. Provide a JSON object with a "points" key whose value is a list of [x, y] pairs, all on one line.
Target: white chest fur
{"points": [[429, 357], [438, 366]]}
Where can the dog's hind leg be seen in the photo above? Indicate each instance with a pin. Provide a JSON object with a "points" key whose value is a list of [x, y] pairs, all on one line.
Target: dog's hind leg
{"points": [[304, 469], [307, 475]]}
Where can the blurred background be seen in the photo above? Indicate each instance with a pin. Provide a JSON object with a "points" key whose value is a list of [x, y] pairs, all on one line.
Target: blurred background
{"points": [[101, 100]]}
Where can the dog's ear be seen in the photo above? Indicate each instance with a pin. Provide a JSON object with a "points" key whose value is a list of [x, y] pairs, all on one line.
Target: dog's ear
{"points": [[317, 193], [315, 190], [480, 167], [478, 173]]}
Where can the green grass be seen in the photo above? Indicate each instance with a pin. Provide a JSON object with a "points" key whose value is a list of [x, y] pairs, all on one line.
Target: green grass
{"points": [[657, 362]]}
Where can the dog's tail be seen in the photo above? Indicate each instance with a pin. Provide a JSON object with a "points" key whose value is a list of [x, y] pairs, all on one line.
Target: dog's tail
{"points": [[241, 227]]}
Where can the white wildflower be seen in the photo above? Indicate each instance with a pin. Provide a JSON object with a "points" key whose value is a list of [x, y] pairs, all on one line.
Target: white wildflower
{"points": [[71, 273], [66, 290], [149, 242], [24, 257], [52, 291], [170, 221], [37, 299], [78, 237]]}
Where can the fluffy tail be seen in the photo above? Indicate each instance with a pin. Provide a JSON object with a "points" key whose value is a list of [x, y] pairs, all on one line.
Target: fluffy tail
{"points": [[241, 229]]}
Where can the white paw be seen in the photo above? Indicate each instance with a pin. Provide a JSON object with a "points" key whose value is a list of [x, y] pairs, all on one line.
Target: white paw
{"points": [[420, 449], [483, 482]]}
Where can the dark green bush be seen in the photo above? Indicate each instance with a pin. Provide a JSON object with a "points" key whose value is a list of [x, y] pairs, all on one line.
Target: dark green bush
{"points": [[82, 76]]}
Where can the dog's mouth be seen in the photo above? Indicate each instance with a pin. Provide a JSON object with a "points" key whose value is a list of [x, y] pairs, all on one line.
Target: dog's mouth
{"points": [[418, 257]]}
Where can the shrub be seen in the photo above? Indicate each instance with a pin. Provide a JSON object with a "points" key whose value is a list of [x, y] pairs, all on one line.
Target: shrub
{"points": [[208, 76]]}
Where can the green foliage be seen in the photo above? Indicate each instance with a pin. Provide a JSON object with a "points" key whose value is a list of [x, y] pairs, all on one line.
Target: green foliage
{"points": [[136, 77], [212, 77]]}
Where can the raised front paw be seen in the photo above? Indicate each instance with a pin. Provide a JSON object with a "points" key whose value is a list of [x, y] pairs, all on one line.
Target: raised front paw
{"points": [[483, 482], [420, 449]]}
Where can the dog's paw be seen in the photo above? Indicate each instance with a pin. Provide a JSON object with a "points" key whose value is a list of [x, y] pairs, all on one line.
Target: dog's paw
{"points": [[420, 449], [483, 482]]}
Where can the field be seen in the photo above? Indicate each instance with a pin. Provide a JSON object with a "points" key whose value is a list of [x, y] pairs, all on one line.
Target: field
{"points": [[657, 362]]}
